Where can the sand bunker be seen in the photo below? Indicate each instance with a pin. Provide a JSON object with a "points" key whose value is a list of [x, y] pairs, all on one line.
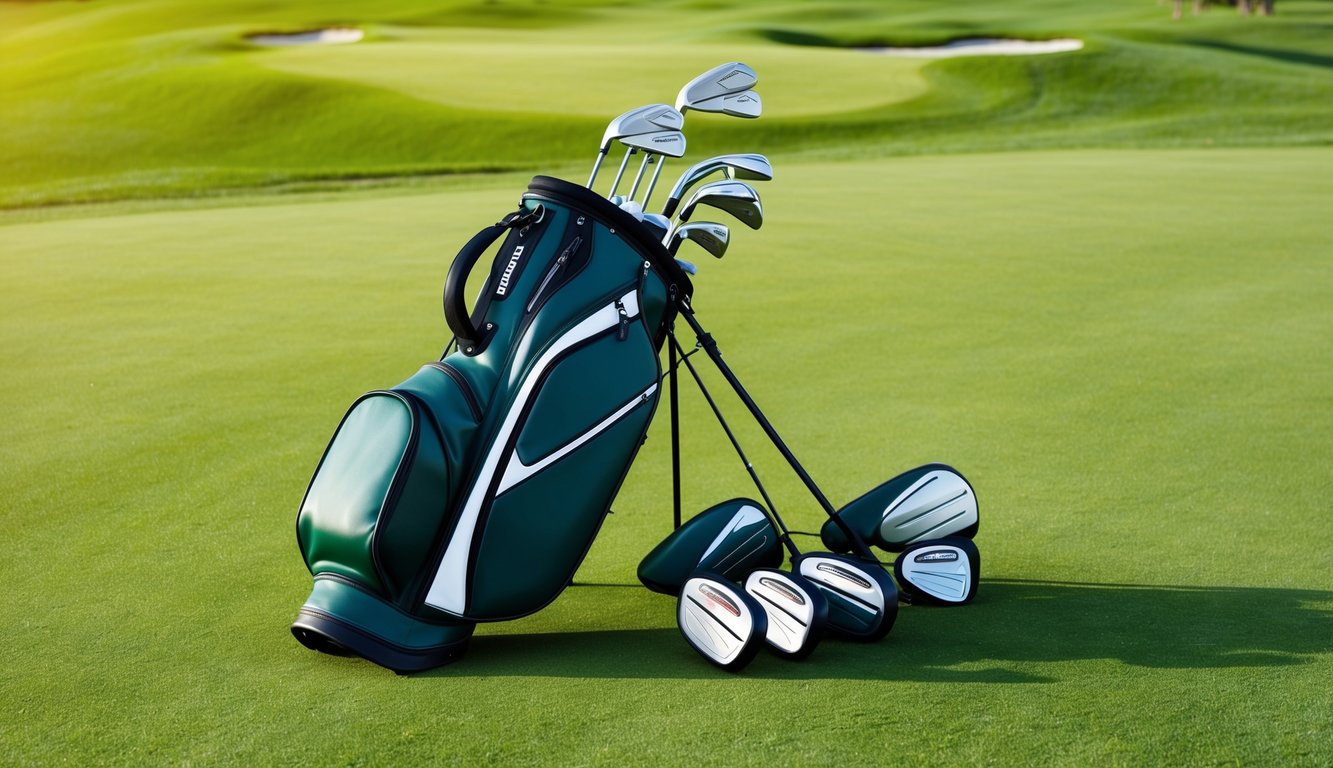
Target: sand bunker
{"points": [[983, 47], [333, 36]]}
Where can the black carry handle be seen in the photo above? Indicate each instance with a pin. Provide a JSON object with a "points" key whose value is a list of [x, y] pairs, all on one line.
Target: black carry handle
{"points": [[470, 338]]}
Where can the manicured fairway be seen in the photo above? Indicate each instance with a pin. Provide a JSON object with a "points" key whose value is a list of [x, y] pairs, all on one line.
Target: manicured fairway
{"points": [[152, 98], [1099, 283], [1127, 352]]}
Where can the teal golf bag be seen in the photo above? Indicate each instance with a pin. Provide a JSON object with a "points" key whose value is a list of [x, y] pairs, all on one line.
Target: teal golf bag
{"points": [[472, 491]]}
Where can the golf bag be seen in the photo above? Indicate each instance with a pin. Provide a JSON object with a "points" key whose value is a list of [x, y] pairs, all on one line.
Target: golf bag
{"points": [[472, 491]]}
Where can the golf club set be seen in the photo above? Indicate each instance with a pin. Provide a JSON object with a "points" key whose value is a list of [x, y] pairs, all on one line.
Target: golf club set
{"points": [[471, 491]]}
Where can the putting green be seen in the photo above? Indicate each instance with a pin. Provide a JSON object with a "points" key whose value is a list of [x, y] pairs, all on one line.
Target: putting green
{"points": [[516, 74], [1125, 351]]}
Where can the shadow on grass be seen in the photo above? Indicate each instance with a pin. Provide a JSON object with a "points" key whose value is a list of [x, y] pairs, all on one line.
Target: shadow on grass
{"points": [[1274, 54], [1012, 622]]}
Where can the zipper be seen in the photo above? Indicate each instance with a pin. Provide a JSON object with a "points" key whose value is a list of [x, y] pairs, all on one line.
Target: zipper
{"points": [[622, 332], [550, 273], [463, 387]]}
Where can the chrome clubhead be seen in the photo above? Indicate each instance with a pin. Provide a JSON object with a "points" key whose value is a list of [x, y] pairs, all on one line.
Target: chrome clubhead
{"points": [[646, 119], [744, 104], [710, 236], [746, 167], [734, 197], [671, 143], [722, 80], [796, 609], [720, 621], [862, 598], [939, 572]]}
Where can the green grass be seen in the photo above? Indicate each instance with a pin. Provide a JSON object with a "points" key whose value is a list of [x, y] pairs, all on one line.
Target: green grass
{"points": [[146, 98], [1126, 352], [1097, 283]]}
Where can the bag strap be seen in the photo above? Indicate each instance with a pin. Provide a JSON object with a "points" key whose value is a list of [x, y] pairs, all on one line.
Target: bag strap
{"points": [[471, 340]]}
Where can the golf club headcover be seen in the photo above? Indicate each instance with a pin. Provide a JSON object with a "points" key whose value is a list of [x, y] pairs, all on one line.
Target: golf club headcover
{"points": [[719, 621], [930, 501], [939, 571], [797, 611], [731, 538]]}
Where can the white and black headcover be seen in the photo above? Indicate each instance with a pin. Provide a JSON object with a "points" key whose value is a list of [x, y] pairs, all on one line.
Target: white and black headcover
{"points": [[939, 572], [719, 621], [797, 611]]}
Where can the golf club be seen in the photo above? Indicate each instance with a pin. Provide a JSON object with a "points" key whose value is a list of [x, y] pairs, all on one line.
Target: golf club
{"points": [[726, 89], [746, 167], [670, 142], [710, 236], [734, 197], [861, 599], [646, 119]]}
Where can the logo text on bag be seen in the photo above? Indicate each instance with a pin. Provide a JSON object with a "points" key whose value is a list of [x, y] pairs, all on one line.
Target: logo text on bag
{"points": [[503, 288]]}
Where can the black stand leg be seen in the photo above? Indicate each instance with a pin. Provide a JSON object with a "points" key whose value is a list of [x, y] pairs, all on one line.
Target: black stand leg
{"points": [[675, 428], [710, 346]]}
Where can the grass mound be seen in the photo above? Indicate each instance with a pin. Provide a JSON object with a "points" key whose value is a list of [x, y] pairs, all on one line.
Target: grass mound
{"points": [[175, 103]]}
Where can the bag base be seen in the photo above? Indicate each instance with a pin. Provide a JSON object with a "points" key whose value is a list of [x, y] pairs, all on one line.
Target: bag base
{"points": [[338, 616]]}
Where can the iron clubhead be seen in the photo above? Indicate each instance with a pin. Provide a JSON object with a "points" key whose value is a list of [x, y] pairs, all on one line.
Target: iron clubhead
{"points": [[862, 598], [709, 235], [745, 167], [734, 197], [720, 621], [929, 502], [745, 104], [670, 143], [939, 572], [647, 119], [640, 120], [722, 80], [731, 539], [797, 611]]}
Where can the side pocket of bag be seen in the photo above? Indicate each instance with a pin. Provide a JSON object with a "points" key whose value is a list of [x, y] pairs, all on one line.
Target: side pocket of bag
{"points": [[385, 486], [373, 454]]}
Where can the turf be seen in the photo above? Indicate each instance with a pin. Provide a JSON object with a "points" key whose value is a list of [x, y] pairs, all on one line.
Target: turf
{"points": [[1139, 394], [1097, 283], [146, 98]]}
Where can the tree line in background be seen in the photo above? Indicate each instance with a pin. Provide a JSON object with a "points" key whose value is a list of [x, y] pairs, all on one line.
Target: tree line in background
{"points": [[1243, 7]]}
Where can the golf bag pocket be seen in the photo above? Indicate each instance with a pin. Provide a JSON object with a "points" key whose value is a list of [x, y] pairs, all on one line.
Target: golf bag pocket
{"points": [[384, 484], [546, 482]]}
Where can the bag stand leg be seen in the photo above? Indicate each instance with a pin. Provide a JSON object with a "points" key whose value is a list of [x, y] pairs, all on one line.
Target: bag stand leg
{"points": [[709, 345]]}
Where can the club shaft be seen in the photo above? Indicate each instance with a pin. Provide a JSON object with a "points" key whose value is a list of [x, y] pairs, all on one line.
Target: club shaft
{"points": [[710, 346], [652, 183], [773, 510], [596, 166], [675, 431], [620, 174], [638, 177]]}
